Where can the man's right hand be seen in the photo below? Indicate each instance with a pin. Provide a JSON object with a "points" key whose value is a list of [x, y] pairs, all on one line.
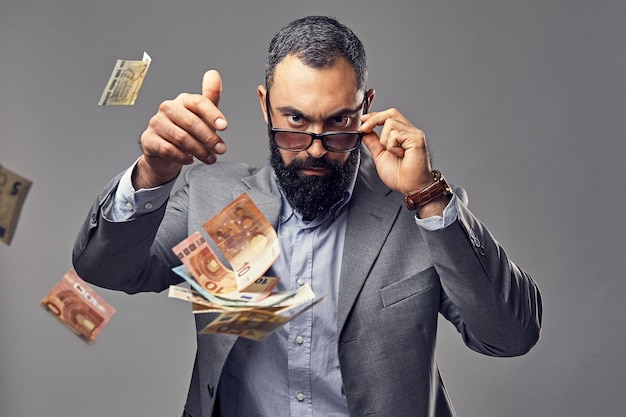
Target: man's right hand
{"points": [[182, 129]]}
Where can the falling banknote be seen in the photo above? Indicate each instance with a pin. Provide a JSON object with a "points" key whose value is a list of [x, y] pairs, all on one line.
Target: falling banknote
{"points": [[213, 276], [125, 82], [254, 324], [77, 306], [13, 191], [246, 239]]}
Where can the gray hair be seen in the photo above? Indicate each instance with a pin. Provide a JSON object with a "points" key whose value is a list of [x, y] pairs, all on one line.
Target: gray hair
{"points": [[318, 41]]}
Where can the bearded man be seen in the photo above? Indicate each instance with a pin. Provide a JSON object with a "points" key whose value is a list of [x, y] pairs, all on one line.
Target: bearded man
{"points": [[374, 228]]}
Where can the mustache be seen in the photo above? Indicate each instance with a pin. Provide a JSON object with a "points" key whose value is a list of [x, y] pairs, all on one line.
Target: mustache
{"points": [[310, 162]]}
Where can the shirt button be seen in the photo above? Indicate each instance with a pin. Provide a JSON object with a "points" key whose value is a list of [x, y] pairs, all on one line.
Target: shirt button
{"points": [[300, 396], [300, 282], [299, 340], [129, 206], [148, 206]]}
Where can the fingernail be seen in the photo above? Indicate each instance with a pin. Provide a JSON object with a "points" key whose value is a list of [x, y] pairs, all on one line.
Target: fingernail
{"points": [[220, 124], [220, 148]]}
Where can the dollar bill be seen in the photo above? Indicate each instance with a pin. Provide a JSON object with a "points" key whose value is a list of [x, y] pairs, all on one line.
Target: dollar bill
{"points": [[13, 191], [245, 237], [255, 324], [125, 82], [78, 307]]}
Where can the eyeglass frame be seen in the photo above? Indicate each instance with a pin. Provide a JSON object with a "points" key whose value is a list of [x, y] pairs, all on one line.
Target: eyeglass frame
{"points": [[314, 136]]}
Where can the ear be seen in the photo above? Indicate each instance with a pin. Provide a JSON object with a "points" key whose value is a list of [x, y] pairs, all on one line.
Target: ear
{"points": [[368, 101], [261, 92]]}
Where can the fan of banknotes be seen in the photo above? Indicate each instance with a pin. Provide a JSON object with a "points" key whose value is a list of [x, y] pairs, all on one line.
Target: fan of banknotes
{"points": [[243, 296]]}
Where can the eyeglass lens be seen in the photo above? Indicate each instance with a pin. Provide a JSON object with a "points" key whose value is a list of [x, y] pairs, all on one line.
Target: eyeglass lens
{"points": [[333, 141]]}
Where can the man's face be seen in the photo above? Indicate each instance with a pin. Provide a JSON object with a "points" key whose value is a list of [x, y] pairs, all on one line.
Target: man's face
{"points": [[313, 100]]}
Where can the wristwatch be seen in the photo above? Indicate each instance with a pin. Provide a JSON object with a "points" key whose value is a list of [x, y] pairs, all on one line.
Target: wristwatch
{"points": [[438, 187]]}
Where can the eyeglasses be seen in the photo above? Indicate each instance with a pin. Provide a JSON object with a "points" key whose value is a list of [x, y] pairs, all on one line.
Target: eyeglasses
{"points": [[300, 140]]}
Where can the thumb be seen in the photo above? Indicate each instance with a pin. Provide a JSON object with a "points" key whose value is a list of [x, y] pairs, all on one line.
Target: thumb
{"points": [[372, 141], [212, 86]]}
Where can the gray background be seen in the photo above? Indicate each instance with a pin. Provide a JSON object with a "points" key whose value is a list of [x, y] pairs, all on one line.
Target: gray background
{"points": [[523, 103]]}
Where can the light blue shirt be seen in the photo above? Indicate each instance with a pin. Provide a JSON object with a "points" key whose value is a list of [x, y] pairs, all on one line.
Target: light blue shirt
{"points": [[295, 370]]}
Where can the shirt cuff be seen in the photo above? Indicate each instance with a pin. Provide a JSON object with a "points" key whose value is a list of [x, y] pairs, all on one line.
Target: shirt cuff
{"points": [[128, 203], [450, 214]]}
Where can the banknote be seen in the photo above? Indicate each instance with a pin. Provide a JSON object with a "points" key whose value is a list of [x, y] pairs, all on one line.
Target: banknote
{"points": [[220, 281], [213, 276], [204, 265], [255, 324], [189, 245], [13, 191], [236, 298], [303, 294], [77, 306], [288, 300], [199, 303], [246, 238], [125, 82]]}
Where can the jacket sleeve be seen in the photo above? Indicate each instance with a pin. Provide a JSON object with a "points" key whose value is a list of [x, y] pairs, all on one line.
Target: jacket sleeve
{"points": [[134, 255], [494, 304]]}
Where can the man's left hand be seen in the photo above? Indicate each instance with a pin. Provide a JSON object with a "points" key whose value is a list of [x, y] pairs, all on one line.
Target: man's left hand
{"points": [[400, 153]]}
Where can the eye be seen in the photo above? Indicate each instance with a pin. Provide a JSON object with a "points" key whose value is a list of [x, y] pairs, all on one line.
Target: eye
{"points": [[341, 122], [295, 119]]}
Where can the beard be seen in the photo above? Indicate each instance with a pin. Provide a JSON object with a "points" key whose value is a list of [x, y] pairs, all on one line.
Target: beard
{"points": [[311, 195]]}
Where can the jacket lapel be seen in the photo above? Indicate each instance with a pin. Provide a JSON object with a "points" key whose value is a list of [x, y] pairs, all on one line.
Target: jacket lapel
{"points": [[263, 191], [373, 211]]}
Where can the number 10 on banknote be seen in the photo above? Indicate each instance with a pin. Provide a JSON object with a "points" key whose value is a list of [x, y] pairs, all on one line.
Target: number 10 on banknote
{"points": [[246, 239]]}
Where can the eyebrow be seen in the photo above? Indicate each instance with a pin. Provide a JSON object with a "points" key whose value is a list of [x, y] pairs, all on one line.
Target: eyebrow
{"points": [[342, 112]]}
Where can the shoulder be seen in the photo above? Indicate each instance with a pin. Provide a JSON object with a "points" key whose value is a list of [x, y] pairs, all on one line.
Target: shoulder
{"points": [[219, 172]]}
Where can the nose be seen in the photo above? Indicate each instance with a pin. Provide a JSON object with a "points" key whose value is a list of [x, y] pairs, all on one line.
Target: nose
{"points": [[316, 150]]}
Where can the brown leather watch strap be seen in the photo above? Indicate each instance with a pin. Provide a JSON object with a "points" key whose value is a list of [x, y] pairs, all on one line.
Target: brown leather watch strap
{"points": [[428, 193]]}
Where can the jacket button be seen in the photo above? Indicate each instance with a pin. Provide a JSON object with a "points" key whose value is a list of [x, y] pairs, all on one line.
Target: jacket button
{"points": [[210, 389]]}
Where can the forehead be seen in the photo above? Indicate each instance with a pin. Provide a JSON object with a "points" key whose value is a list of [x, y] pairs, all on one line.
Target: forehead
{"points": [[296, 84]]}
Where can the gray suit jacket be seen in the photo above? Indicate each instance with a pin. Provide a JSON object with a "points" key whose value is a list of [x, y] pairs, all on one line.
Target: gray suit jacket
{"points": [[395, 279]]}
